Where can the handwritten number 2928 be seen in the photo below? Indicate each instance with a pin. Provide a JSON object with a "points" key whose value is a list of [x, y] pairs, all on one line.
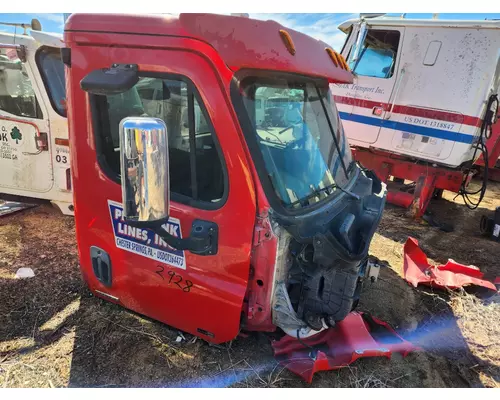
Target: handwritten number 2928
{"points": [[175, 279]]}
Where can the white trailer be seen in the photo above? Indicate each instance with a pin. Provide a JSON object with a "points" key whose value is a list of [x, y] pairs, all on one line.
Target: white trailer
{"points": [[34, 146]]}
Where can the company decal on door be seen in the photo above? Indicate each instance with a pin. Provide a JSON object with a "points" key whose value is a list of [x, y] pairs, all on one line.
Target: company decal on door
{"points": [[145, 242], [356, 90], [11, 138]]}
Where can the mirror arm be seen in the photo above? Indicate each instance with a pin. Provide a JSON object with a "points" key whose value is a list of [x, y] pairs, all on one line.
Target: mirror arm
{"points": [[203, 239]]}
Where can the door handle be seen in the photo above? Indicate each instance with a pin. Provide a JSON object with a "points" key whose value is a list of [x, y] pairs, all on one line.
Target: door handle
{"points": [[42, 144]]}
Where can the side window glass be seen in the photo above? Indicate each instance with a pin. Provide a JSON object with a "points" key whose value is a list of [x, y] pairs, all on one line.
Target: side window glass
{"points": [[195, 167], [17, 96], [52, 71], [378, 54]]}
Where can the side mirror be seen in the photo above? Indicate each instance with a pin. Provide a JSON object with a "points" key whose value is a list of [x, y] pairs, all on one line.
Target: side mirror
{"points": [[36, 25], [144, 169], [145, 183], [117, 79]]}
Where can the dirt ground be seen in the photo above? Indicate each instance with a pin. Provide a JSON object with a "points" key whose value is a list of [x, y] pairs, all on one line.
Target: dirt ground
{"points": [[53, 333]]}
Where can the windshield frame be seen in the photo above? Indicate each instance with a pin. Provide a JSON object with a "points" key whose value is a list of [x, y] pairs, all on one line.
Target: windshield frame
{"points": [[38, 56], [249, 133]]}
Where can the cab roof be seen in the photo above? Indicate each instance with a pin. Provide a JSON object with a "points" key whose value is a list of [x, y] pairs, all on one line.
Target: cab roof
{"points": [[241, 42], [442, 23]]}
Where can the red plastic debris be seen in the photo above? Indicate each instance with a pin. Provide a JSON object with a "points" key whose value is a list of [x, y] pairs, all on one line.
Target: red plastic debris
{"points": [[452, 275], [358, 335]]}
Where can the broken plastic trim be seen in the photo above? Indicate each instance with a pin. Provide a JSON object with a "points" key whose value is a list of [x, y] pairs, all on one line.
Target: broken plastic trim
{"points": [[359, 335], [452, 275]]}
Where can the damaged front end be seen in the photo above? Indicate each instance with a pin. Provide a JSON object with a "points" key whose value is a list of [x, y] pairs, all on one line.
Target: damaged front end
{"points": [[318, 209], [326, 263], [320, 261]]}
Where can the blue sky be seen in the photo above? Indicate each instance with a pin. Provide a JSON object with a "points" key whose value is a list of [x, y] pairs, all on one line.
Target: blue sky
{"points": [[320, 26]]}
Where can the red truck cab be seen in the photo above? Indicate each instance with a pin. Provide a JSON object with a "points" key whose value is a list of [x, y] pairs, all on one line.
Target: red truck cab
{"points": [[195, 205]]}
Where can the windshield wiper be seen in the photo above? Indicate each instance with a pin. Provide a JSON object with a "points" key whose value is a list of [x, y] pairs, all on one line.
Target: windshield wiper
{"points": [[318, 191]]}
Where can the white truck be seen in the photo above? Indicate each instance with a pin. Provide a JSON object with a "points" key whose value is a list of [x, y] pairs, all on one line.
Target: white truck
{"points": [[421, 91], [34, 146]]}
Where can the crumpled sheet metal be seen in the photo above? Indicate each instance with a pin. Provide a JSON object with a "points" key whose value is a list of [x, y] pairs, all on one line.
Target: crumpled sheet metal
{"points": [[452, 275], [358, 335]]}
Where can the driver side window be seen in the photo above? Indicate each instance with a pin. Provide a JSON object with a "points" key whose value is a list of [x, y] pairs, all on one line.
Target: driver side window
{"points": [[378, 55], [196, 171]]}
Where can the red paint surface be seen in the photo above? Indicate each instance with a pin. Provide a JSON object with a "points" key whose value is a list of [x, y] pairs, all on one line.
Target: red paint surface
{"points": [[238, 41], [186, 46], [338, 347], [452, 275], [259, 312], [427, 178]]}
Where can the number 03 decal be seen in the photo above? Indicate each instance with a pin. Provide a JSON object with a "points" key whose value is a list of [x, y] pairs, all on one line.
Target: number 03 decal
{"points": [[61, 159], [174, 279]]}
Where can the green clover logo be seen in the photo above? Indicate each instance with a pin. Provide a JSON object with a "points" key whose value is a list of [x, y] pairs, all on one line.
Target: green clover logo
{"points": [[15, 134]]}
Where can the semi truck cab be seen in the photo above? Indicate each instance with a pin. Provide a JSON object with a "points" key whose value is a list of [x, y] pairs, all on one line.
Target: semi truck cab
{"points": [[191, 207], [34, 145], [421, 88]]}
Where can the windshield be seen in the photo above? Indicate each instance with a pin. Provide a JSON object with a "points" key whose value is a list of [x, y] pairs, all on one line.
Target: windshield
{"points": [[300, 136], [377, 63], [17, 96]]}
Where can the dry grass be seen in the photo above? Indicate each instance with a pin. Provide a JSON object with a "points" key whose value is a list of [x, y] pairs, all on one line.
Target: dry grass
{"points": [[479, 323], [53, 333]]}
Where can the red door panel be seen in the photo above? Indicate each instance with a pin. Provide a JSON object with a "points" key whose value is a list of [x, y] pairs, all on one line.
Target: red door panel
{"points": [[202, 295]]}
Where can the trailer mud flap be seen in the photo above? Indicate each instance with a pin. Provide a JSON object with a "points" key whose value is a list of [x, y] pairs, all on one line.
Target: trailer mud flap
{"points": [[452, 275], [358, 335]]}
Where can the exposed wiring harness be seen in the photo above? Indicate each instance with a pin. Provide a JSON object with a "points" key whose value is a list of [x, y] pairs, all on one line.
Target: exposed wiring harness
{"points": [[486, 132], [313, 354]]}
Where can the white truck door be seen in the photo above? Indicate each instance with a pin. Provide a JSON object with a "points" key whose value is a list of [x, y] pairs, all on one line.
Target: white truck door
{"points": [[25, 162], [448, 73], [376, 71]]}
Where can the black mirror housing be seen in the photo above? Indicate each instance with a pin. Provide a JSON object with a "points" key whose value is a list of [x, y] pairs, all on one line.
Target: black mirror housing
{"points": [[108, 81]]}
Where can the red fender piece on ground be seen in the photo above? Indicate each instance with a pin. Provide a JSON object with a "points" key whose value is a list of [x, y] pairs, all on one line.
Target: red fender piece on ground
{"points": [[452, 275], [358, 335]]}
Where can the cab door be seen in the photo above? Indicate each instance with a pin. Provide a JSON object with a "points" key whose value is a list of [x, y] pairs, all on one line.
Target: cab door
{"points": [[24, 129], [377, 78], [209, 181]]}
